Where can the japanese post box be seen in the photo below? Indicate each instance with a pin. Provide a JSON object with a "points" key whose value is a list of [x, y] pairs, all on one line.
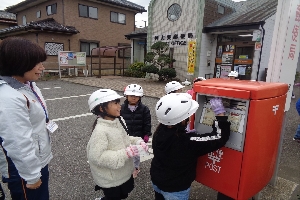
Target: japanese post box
{"points": [[246, 164]]}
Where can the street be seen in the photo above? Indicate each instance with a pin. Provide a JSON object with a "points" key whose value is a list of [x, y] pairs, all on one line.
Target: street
{"points": [[70, 176]]}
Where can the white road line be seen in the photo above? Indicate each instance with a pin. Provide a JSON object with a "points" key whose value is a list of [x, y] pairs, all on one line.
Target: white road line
{"points": [[72, 117], [57, 87], [83, 95], [46, 88]]}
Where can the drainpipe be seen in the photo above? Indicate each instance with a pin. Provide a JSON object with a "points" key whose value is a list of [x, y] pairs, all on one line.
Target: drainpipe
{"points": [[63, 11], [262, 45], [69, 44], [37, 37]]}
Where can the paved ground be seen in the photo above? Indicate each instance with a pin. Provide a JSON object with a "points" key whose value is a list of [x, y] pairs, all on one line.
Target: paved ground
{"points": [[70, 176]]}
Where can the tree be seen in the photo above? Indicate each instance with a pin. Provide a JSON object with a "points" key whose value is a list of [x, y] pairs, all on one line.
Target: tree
{"points": [[158, 59]]}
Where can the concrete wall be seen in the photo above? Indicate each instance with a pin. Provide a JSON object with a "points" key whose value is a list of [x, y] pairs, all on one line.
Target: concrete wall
{"points": [[269, 28]]}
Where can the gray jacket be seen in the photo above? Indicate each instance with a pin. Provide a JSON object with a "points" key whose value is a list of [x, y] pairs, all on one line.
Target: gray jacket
{"points": [[25, 138]]}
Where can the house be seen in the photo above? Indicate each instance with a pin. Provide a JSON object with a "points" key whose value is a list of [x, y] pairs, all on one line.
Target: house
{"points": [[74, 25], [7, 19], [138, 43], [228, 35]]}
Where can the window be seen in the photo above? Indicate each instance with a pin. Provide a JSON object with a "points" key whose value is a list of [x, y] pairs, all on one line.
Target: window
{"points": [[174, 12], [38, 14], [127, 52], [24, 20], [88, 11], [51, 9], [118, 17], [221, 9], [86, 46], [53, 48]]}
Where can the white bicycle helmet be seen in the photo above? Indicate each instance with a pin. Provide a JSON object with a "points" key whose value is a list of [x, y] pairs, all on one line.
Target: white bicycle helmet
{"points": [[102, 96], [173, 108], [233, 73], [134, 89], [173, 86]]}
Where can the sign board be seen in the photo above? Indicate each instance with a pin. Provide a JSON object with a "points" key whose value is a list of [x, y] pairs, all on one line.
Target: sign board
{"points": [[191, 57], [71, 59], [285, 46]]}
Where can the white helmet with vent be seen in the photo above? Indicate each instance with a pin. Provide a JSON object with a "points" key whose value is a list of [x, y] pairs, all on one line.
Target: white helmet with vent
{"points": [[233, 73], [102, 96], [173, 108], [134, 89], [173, 86]]}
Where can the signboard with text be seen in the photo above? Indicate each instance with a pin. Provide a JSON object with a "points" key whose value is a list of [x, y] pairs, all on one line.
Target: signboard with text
{"points": [[177, 39]]}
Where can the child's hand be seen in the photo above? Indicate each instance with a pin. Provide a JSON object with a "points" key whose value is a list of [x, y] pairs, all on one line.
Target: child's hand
{"points": [[132, 151], [146, 138], [145, 146], [217, 106]]}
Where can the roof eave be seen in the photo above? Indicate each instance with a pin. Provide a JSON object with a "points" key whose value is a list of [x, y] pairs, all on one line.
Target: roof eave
{"points": [[224, 28]]}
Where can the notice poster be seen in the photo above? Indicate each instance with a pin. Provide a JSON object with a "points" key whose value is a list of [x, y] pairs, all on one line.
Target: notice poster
{"points": [[225, 70], [191, 57], [227, 57], [63, 58], [80, 58]]}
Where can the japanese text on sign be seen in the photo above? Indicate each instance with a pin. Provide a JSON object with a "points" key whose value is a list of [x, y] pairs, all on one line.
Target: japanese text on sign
{"points": [[191, 57], [295, 33], [215, 157], [175, 39]]}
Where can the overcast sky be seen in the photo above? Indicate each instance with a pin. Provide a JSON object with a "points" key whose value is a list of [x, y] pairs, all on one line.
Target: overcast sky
{"points": [[139, 17]]}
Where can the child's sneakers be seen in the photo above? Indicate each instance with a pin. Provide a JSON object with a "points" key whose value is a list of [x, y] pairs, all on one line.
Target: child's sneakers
{"points": [[296, 139], [135, 172]]}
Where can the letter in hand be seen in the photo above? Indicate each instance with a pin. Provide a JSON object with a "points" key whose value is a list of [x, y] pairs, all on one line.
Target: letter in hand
{"points": [[217, 106], [132, 151], [35, 185]]}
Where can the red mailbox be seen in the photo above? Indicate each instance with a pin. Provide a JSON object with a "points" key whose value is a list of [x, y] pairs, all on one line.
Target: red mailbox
{"points": [[246, 164]]}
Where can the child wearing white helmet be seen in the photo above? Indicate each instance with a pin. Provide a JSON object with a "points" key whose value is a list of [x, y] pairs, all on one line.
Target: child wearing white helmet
{"points": [[110, 150], [173, 87], [233, 75], [173, 168], [137, 117], [191, 91]]}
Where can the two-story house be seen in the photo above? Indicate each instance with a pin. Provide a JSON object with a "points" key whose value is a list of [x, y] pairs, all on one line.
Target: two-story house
{"points": [[73, 25], [7, 19]]}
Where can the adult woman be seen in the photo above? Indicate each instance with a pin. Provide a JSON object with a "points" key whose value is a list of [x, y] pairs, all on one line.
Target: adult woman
{"points": [[24, 138]]}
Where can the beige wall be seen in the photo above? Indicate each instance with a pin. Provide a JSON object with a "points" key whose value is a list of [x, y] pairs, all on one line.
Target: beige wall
{"points": [[101, 29]]}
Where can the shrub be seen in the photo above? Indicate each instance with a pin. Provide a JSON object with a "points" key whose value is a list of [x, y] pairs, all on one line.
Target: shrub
{"points": [[166, 74], [135, 70], [150, 69]]}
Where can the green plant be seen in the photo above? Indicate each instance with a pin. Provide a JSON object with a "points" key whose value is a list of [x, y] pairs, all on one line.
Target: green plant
{"points": [[150, 69], [135, 70], [166, 74], [158, 59]]}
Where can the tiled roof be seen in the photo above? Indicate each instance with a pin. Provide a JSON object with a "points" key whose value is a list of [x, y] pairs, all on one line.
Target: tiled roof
{"points": [[7, 15], [125, 3], [252, 11], [122, 3], [139, 30], [42, 25]]}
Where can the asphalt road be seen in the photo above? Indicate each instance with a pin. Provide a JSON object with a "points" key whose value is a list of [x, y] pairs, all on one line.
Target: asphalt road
{"points": [[70, 177]]}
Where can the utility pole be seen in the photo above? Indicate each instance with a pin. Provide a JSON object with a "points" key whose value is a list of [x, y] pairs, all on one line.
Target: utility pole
{"points": [[145, 22]]}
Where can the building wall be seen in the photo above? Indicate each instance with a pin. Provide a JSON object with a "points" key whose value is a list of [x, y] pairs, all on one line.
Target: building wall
{"points": [[208, 43], [211, 8], [101, 29], [266, 49], [188, 21]]}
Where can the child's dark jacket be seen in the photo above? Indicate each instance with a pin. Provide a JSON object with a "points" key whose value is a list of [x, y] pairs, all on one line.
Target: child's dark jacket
{"points": [[138, 122], [173, 167]]}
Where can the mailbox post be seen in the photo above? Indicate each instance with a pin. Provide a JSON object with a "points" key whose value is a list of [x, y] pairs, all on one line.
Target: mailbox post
{"points": [[246, 164]]}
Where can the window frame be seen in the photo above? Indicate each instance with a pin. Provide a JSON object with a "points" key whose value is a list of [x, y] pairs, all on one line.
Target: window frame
{"points": [[24, 20], [118, 17], [88, 54], [52, 6], [38, 13], [221, 7], [88, 11], [46, 50]]}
